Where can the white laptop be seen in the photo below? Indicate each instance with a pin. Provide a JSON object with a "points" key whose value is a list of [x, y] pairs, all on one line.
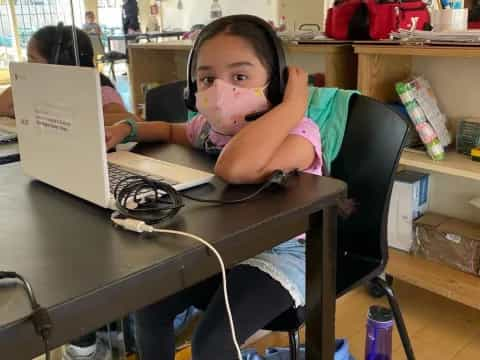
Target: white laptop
{"points": [[7, 124], [61, 135]]}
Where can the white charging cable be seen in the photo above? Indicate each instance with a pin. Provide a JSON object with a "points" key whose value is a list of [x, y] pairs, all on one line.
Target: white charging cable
{"points": [[140, 227]]}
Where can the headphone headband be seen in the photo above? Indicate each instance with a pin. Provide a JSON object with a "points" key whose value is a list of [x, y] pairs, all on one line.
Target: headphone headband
{"points": [[57, 48], [276, 87]]}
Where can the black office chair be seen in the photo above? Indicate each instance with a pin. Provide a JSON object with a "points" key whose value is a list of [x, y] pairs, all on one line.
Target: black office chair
{"points": [[374, 137], [367, 161], [165, 102]]}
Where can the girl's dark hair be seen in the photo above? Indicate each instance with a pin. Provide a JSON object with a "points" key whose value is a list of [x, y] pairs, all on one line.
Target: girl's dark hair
{"points": [[46, 40], [253, 33]]}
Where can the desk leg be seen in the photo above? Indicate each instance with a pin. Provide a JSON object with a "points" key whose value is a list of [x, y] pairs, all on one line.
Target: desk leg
{"points": [[321, 285]]}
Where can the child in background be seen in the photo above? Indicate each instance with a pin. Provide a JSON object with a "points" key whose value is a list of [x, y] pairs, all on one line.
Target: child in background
{"points": [[39, 50], [90, 26]]}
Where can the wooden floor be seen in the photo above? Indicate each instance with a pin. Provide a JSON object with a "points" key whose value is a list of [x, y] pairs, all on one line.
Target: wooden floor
{"points": [[440, 329]]}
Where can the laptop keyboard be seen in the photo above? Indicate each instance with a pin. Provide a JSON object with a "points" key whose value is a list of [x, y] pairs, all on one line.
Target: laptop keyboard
{"points": [[117, 174]]}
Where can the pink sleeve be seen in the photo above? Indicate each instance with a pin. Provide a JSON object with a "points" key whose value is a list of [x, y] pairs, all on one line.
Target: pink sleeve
{"points": [[110, 96], [194, 128], [309, 130]]}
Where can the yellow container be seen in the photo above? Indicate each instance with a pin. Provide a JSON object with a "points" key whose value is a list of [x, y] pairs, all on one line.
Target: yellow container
{"points": [[475, 153]]}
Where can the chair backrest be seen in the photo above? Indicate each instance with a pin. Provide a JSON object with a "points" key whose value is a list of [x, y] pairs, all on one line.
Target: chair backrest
{"points": [[166, 103], [98, 49], [367, 161]]}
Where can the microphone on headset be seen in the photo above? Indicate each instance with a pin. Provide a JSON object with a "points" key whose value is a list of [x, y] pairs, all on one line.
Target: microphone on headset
{"points": [[255, 116]]}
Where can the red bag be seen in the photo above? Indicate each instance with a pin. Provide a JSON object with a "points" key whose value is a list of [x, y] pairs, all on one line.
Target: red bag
{"points": [[382, 19], [338, 18], [392, 16], [409, 10]]}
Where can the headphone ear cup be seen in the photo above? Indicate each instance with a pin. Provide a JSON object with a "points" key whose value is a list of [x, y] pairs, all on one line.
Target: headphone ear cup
{"points": [[189, 95], [64, 58], [186, 97], [276, 88], [191, 88]]}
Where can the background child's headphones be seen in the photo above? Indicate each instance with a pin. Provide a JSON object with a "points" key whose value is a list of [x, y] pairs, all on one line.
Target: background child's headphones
{"points": [[57, 47], [275, 89]]}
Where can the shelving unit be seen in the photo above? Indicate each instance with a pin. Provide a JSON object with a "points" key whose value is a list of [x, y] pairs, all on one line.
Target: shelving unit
{"points": [[380, 66], [435, 277], [454, 164], [166, 62]]}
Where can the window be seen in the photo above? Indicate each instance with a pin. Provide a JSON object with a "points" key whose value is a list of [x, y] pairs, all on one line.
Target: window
{"points": [[30, 15], [7, 49], [110, 17]]}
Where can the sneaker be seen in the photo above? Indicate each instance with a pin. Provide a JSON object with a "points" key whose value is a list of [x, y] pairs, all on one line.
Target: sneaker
{"points": [[99, 351], [116, 337]]}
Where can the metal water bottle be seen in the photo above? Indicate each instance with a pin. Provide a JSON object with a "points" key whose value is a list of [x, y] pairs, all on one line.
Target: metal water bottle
{"points": [[378, 344]]}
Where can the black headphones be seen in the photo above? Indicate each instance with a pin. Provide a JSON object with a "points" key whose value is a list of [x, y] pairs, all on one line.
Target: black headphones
{"points": [[57, 48], [275, 89]]}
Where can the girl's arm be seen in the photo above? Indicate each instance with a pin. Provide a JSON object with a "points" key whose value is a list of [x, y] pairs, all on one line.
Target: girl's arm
{"points": [[265, 144], [6, 103], [146, 131], [151, 131], [114, 112]]}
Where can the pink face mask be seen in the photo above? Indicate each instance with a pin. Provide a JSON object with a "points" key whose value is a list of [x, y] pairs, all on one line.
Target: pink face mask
{"points": [[225, 106]]}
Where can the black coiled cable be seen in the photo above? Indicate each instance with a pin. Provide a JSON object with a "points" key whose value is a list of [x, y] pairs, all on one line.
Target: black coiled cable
{"points": [[153, 201], [163, 201]]}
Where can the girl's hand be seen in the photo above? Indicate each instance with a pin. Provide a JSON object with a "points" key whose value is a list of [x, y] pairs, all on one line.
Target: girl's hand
{"points": [[115, 134], [296, 90]]}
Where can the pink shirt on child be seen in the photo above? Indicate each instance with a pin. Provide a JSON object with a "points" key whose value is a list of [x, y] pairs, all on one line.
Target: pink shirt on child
{"points": [[110, 96], [203, 137]]}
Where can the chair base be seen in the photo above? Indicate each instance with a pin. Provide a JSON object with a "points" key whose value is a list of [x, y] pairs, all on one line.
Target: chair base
{"points": [[376, 291], [294, 342]]}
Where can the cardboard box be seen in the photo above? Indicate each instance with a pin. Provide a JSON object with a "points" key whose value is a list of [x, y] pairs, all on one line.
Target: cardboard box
{"points": [[408, 202], [448, 240]]}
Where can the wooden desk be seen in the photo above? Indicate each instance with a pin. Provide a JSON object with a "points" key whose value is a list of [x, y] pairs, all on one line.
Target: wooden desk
{"points": [[452, 180], [166, 62], [86, 272]]}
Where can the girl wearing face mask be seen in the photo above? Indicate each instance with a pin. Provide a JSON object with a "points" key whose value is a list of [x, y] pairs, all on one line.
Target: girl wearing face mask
{"points": [[233, 68]]}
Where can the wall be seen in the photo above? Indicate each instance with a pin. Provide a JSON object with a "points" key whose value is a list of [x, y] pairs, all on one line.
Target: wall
{"points": [[91, 5], [300, 12], [197, 11]]}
